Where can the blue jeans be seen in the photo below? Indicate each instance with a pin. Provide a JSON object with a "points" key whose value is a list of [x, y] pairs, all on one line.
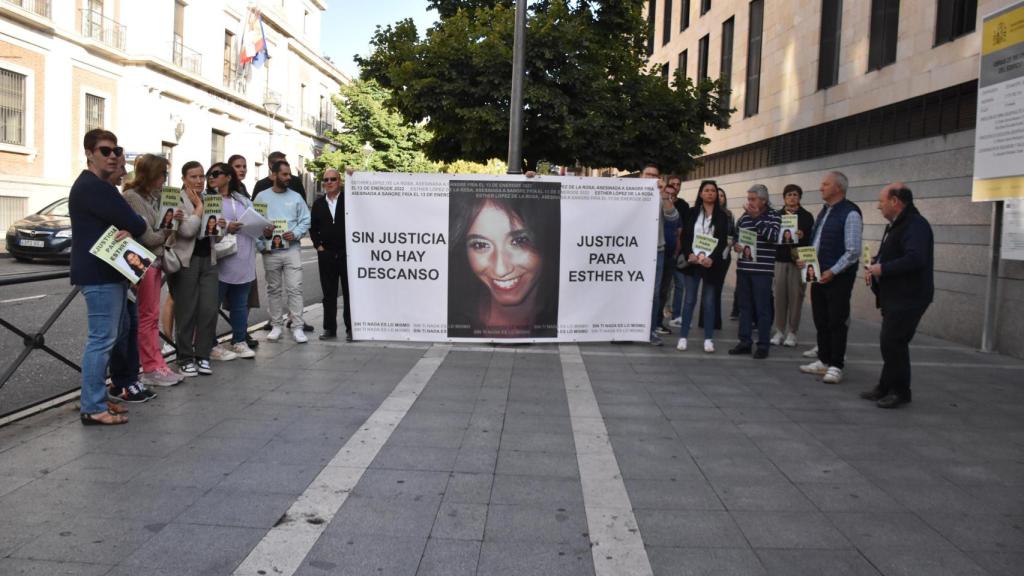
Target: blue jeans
{"points": [[238, 307], [656, 309], [106, 306], [754, 292], [124, 358], [692, 283], [678, 289]]}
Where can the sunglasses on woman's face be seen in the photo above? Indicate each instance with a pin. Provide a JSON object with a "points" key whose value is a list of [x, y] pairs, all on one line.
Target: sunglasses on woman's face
{"points": [[215, 174], [106, 150], [331, 179]]}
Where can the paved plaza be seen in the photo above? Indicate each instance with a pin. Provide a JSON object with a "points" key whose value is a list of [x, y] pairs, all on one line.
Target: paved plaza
{"points": [[406, 459]]}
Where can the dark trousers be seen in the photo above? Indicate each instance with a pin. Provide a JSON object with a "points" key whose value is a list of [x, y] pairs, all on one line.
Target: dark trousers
{"points": [[754, 292], [124, 358], [898, 328], [830, 304], [656, 304], [332, 269], [668, 267]]}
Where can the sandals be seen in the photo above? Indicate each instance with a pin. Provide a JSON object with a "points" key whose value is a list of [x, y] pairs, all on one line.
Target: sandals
{"points": [[107, 418], [114, 408]]}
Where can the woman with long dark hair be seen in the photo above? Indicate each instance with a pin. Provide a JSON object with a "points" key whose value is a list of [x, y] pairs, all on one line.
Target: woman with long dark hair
{"points": [[503, 267], [706, 218]]}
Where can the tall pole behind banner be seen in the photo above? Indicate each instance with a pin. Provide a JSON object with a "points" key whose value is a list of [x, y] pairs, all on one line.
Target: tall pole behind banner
{"points": [[988, 330], [515, 117]]}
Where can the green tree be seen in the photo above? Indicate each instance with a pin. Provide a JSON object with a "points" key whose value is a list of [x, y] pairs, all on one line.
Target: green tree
{"points": [[588, 96], [366, 117]]}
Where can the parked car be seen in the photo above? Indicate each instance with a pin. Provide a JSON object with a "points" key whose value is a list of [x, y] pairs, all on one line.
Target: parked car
{"points": [[45, 234]]}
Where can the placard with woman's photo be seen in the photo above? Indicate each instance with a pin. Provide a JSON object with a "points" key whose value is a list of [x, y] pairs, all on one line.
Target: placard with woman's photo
{"points": [[127, 256]]}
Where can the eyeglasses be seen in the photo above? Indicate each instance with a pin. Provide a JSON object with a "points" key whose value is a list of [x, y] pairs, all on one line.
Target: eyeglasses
{"points": [[215, 174], [331, 179], [106, 150]]}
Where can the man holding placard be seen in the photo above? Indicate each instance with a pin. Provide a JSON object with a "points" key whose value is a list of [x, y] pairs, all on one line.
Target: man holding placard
{"points": [[95, 205], [757, 234]]}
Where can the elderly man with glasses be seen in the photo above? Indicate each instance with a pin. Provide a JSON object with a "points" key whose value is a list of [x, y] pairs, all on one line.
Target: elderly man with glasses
{"points": [[327, 231]]}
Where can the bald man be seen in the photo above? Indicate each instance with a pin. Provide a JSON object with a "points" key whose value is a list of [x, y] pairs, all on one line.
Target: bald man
{"points": [[327, 230]]}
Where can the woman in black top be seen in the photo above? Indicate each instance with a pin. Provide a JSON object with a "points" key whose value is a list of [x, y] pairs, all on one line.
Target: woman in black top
{"points": [[706, 219]]}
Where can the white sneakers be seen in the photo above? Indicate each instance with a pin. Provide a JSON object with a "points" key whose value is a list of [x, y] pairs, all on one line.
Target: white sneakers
{"points": [[675, 322], [242, 350], [275, 334], [817, 367], [709, 346], [681, 345], [222, 354], [833, 375], [812, 353], [790, 341], [300, 335], [776, 338]]}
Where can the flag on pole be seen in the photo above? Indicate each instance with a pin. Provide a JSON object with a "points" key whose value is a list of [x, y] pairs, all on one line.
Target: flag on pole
{"points": [[254, 41]]}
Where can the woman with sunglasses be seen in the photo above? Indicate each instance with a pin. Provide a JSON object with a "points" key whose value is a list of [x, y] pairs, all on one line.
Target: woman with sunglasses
{"points": [[194, 287], [237, 271], [143, 194]]}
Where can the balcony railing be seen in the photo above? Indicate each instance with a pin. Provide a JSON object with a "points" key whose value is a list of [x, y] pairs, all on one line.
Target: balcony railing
{"points": [[185, 57], [40, 7], [316, 124], [102, 29], [235, 79]]}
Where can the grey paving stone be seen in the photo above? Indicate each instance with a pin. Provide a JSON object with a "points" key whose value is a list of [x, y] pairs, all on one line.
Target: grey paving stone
{"points": [[852, 497], [543, 424], [999, 563], [887, 530], [689, 529], [15, 532], [704, 561], [535, 559], [831, 471], [449, 558], [789, 530], [536, 464], [211, 549], [402, 484], [410, 519], [767, 496], [428, 420], [270, 477], [538, 442], [415, 458], [468, 488], [99, 467], [547, 523], [188, 471], [460, 521], [476, 460], [362, 554], [685, 493], [221, 507], [286, 452], [9, 484], [979, 532], [20, 567], [922, 561], [640, 427], [816, 563], [447, 438], [536, 490], [80, 539], [739, 470]]}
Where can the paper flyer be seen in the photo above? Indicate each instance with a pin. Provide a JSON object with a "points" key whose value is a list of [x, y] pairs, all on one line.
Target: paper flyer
{"points": [[277, 241], [811, 271], [788, 232], [128, 257], [213, 209], [704, 245], [170, 199], [260, 208], [253, 223], [865, 257], [748, 245]]}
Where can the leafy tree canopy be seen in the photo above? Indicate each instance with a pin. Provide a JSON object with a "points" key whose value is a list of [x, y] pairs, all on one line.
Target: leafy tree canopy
{"points": [[588, 97]]}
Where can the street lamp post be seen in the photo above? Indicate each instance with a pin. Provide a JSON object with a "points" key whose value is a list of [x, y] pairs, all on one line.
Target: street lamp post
{"points": [[515, 117], [272, 104]]}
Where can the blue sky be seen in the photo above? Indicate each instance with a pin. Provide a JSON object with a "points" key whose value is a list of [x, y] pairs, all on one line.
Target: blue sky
{"points": [[348, 25]]}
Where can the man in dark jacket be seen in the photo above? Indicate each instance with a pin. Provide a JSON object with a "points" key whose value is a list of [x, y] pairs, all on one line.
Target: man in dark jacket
{"points": [[327, 231], [266, 183], [901, 276], [94, 206]]}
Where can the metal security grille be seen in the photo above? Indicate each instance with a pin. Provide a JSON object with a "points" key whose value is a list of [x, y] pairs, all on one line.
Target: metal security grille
{"points": [[94, 111], [12, 108]]}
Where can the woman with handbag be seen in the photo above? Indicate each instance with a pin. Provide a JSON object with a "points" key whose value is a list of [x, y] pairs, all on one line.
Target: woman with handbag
{"points": [[236, 257], [142, 193], [705, 221], [195, 286]]}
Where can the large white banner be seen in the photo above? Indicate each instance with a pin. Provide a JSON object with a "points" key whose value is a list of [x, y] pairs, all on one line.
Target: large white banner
{"points": [[464, 258]]}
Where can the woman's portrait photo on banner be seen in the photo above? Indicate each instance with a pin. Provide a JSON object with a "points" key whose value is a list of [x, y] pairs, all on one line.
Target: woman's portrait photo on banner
{"points": [[503, 259], [135, 263]]}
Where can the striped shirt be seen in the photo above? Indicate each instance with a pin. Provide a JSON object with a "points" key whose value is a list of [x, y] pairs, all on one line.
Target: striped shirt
{"points": [[767, 226]]}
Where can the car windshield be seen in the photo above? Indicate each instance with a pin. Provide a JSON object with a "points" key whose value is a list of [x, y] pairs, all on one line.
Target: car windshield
{"points": [[59, 208]]}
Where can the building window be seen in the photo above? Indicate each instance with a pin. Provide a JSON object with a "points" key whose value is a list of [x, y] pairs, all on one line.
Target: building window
{"points": [[94, 112], [828, 47], [702, 57], [229, 57], [167, 151], [684, 18], [652, 8], [725, 72], [885, 26], [12, 108], [705, 6], [664, 71], [683, 62], [217, 146], [666, 23], [955, 19], [750, 106]]}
